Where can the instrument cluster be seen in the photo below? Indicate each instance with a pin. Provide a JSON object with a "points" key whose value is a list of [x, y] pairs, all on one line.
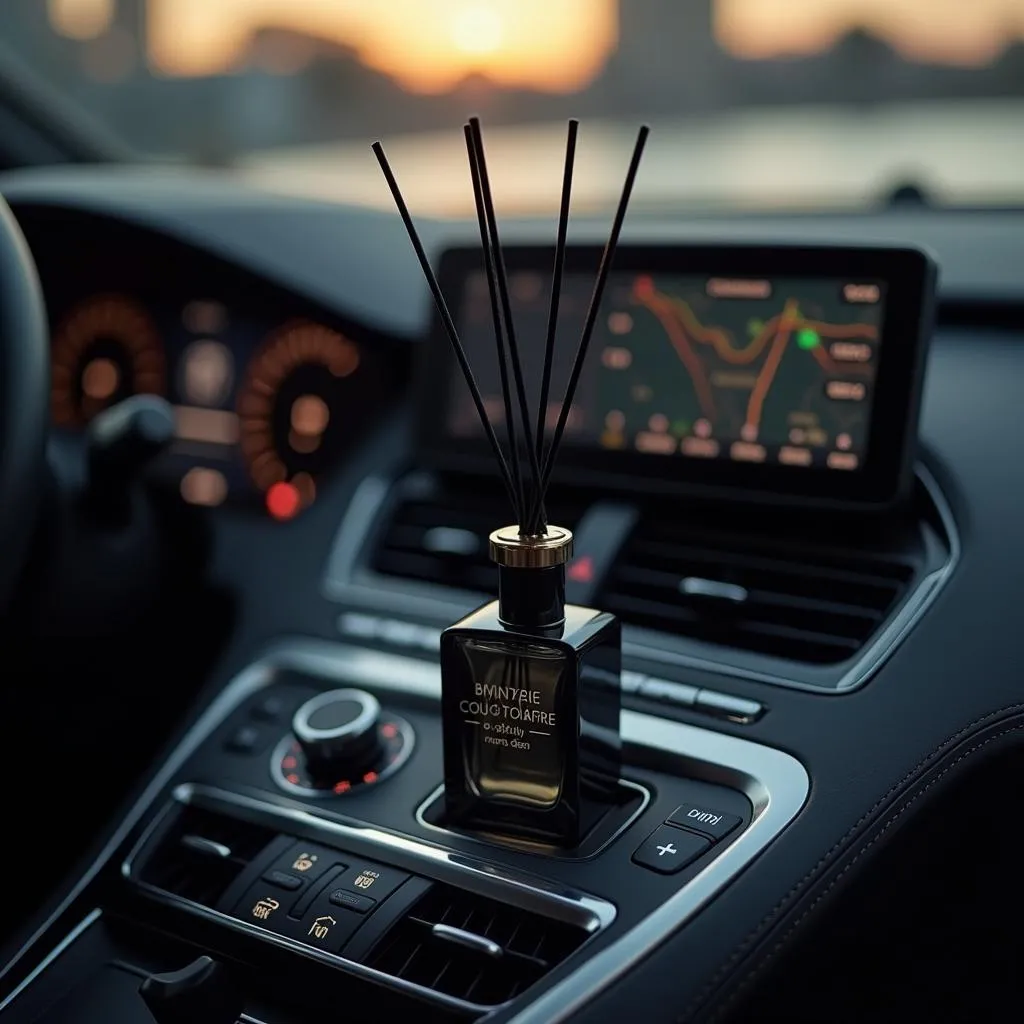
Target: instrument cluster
{"points": [[266, 403]]}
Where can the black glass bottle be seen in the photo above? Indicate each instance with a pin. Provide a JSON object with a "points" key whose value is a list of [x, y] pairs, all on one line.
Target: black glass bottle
{"points": [[530, 695]]}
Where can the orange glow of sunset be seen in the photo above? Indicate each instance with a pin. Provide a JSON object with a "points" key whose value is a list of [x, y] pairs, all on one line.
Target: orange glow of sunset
{"points": [[964, 32], [428, 45]]}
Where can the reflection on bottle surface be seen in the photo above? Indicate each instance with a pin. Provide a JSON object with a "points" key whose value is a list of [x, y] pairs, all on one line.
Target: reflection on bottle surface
{"points": [[531, 724], [513, 700]]}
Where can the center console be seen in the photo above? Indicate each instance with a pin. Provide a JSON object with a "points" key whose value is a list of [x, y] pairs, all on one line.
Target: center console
{"points": [[294, 834]]}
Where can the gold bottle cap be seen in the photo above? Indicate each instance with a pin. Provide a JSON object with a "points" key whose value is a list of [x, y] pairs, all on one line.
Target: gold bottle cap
{"points": [[541, 551]]}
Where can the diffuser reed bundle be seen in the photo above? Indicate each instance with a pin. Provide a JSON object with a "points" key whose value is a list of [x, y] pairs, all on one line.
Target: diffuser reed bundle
{"points": [[527, 467]]}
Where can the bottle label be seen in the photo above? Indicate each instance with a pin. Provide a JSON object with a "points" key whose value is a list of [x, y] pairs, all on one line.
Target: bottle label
{"points": [[509, 698]]}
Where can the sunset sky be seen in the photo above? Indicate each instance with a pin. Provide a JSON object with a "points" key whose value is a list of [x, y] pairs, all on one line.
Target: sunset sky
{"points": [[557, 45]]}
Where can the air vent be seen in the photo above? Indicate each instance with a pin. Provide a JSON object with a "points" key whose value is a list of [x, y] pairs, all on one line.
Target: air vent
{"points": [[472, 948], [201, 854], [441, 537], [773, 595]]}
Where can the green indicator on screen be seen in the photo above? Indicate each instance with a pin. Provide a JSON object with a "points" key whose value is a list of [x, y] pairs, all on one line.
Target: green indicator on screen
{"points": [[680, 427], [808, 339], [754, 327]]}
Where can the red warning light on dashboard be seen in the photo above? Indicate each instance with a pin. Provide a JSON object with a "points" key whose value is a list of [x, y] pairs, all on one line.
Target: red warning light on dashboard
{"points": [[643, 286], [865, 293], [581, 570], [283, 500]]}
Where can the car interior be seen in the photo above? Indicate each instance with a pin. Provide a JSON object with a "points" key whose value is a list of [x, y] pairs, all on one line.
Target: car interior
{"points": [[269, 757]]}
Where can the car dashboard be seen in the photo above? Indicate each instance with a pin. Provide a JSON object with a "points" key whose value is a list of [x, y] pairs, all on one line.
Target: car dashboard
{"points": [[136, 312], [801, 734]]}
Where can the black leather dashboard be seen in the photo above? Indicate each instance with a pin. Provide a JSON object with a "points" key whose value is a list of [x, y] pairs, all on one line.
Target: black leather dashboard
{"points": [[951, 696]]}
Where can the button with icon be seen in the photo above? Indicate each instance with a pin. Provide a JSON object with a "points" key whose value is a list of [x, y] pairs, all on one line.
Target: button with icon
{"points": [[306, 861], [324, 926], [266, 906], [372, 880], [668, 850]]}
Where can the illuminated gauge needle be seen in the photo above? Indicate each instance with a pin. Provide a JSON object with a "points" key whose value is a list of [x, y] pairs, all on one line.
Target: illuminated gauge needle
{"points": [[309, 420], [286, 409], [105, 350]]}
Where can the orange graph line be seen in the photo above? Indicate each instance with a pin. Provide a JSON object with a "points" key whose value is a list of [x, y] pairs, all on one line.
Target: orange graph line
{"points": [[721, 342], [787, 321], [679, 323], [690, 360], [717, 338]]}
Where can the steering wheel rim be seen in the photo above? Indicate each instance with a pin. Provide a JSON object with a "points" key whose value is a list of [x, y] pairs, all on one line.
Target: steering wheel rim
{"points": [[24, 391]]}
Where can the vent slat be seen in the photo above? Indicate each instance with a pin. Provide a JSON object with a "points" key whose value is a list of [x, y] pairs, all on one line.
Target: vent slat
{"points": [[798, 569], [410, 950], [773, 606], [761, 590], [185, 871], [810, 603], [859, 556]]}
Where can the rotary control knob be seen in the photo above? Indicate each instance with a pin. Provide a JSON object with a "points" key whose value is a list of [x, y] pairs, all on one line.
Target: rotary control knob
{"points": [[340, 742], [338, 732]]}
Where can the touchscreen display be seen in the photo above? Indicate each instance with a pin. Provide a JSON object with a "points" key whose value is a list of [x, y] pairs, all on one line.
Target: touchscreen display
{"points": [[772, 370]]}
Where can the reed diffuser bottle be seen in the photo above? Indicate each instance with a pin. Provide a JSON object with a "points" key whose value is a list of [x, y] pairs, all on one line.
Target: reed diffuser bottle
{"points": [[530, 685], [530, 700]]}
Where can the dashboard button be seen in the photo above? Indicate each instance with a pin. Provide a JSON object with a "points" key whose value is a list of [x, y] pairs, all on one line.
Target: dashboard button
{"points": [[724, 705], [244, 740], [352, 901], [668, 850], [667, 692], [307, 861], [715, 824], [270, 709], [315, 890], [266, 906], [325, 926], [284, 880], [372, 880]]}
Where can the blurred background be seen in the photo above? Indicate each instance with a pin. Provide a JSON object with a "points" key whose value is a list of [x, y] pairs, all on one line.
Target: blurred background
{"points": [[754, 103]]}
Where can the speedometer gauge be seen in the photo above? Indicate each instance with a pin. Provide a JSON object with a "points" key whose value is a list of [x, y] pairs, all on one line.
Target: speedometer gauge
{"points": [[106, 349], [290, 407]]}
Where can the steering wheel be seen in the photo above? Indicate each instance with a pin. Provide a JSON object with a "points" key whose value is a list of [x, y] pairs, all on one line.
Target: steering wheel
{"points": [[24, 390]]}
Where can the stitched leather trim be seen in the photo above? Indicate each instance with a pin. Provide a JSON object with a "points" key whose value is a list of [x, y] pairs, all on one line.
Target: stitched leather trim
{"points": [[927, 763]]}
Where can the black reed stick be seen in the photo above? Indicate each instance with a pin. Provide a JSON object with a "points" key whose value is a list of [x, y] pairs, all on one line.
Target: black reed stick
{"points": [[556, 284], [534, 523], [492, 285], [446, 318], [588, 325]]}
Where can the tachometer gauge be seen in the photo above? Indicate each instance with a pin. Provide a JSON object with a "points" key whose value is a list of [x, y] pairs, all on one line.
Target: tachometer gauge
{"points": [[106, 349], [290, 412]]}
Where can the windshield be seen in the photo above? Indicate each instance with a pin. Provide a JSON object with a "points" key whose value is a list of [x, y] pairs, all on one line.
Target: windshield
{"points": [[754, 104]]}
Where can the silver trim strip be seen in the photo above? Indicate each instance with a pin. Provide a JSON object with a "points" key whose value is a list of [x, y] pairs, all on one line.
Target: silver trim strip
{"points": [[342, 582], [72, 936], [524, 846], [472, 873], [477, 943]]}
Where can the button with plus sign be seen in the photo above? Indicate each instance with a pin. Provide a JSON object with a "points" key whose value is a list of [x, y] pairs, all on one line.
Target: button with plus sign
{"points": [[668, 850]]}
